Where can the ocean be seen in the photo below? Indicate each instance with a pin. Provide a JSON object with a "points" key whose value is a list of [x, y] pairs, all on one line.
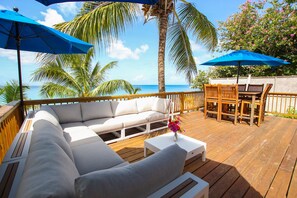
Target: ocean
{"points": [[33, 92]]}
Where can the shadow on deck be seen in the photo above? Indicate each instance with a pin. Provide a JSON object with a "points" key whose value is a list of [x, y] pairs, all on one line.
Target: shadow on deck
{"points": [[242, 160]]}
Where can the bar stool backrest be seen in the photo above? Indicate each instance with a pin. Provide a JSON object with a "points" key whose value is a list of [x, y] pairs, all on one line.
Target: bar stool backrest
{"points": [[229, 92], [256, 88], [242, 87], [211, 91], [265, 93]]}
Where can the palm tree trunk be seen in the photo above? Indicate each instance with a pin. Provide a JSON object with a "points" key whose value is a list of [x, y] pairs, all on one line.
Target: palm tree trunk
{"points": [[163, 24]]}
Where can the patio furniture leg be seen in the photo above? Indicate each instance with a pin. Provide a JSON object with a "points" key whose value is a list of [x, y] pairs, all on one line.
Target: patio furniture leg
{"points": [[252, 110], [203, 156]]}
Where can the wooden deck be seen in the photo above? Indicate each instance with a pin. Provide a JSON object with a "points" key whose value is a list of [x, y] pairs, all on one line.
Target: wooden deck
{"points": [[242, 160]]}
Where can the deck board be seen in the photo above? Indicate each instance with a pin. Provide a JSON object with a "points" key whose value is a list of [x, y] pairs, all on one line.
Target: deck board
{"points": [[242, 160]]}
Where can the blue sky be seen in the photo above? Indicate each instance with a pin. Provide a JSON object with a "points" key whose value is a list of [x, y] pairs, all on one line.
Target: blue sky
{"points": [[135, 50]]}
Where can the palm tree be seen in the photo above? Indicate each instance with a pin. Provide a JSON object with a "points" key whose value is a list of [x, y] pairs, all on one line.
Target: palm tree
{"points": [[100, 22], [11, 91], [74, 76]]}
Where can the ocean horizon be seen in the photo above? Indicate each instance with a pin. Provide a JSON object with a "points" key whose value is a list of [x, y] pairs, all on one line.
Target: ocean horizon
{"points": [[33, 92]]}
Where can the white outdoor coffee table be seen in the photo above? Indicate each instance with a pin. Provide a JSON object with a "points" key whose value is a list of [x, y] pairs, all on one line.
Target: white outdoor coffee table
{"points": [[191, 145]]}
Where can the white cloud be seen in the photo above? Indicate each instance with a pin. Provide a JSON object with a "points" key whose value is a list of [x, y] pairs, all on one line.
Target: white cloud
{"points": [[195, 46], [119, 51], [68, 9], [202, 58], [139, 78], [197, 60], [26, 57], [3, 7], [51, 17]]}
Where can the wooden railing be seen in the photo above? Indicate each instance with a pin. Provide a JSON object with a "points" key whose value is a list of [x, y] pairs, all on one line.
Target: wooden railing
{"points": [[284, 104], [10, 123], [183, 101]]}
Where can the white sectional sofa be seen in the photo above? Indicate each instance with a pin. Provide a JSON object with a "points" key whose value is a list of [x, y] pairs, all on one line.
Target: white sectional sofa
{"points": [[109, 116], [65, 157]]}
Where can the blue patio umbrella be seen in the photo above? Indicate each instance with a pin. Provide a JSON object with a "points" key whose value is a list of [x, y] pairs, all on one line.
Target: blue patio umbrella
{"points": [[21, 33], [245, 57], [49, 2]]}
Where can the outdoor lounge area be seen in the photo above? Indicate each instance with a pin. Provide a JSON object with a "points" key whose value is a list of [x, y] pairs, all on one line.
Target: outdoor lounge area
{"points": [[241, 160]]}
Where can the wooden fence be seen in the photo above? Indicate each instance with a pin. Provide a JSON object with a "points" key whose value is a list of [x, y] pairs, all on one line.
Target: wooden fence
{"points": [[284, 104], [10, 123]]}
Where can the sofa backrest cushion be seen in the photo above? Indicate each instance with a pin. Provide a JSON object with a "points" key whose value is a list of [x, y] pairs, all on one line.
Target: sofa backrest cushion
{"points": [[45, 133], [68, 113], [145, 104], [161, 105], [96, 110], [49, 172], [124, 107], [47, 113], [138, 179]]}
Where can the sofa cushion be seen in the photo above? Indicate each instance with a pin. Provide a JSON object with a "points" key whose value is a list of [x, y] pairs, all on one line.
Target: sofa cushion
{"points": [[77, 133], [131, 120], [152, 116], [124, 107], [161, 105], [47, 113], [139, 179], [104, 125], [49, 172], [45, 134], [68, 113], [145, 104], [94, 156], [95, 110]]}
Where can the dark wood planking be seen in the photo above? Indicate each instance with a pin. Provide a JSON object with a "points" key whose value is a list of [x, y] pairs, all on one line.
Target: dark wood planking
{"points": [[180, 189], [241, 160], [292, 191]]}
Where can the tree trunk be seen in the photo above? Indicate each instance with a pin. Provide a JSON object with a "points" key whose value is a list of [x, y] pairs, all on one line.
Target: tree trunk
{"points": [[163, 24]]}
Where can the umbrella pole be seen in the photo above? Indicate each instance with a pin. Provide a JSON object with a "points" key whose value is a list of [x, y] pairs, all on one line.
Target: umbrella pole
{"points": [[18, 43], [238, 68]]}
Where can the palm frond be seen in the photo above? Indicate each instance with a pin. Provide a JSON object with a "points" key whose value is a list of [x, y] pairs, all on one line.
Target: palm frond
{"points": [[110, 87], [11, 91], [101, 23], [51, 90], [180, 51], [54, 72], [198, 24]]}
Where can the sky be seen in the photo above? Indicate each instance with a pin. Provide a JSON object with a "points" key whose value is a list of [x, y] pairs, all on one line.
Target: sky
{"points": [[136, 50]]}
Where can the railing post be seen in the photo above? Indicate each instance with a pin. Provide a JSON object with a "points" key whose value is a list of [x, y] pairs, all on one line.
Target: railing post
{"points": [[182, 102]]}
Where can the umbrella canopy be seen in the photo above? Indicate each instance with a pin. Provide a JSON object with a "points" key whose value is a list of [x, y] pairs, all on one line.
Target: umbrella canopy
{"points": [[36, 37], [49, 2], [21, 33], [245, 57]]}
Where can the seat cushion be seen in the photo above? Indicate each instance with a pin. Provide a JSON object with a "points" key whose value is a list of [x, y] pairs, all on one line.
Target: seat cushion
{"points": [[96, 110], [68, 113], [77, 133], [94, 156], [124, 107], [145, 104], [49, 172], [131, 120], [161, 105], [139, 179], [47, 113], [104, 125], [45, 134], [152, 116]]}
